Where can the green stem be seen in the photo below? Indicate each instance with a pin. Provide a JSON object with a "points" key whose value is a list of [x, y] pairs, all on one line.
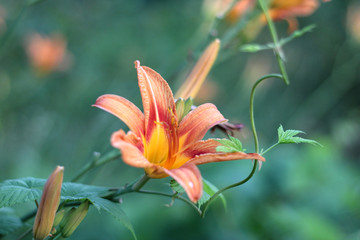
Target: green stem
{"points": [[252, 95], [213, 197], [96, 162], [256, 142], [274, 145], [275, 38], [172, 196], [139, 184]]}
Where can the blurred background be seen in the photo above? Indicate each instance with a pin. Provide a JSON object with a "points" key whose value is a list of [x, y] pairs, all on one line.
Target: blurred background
{"points": [[57, 57]]}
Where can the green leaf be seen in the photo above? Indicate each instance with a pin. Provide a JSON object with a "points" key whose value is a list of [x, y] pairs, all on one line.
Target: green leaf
{"points": [[183, 107], [289, 136], [115, 210], [225, 149], [176, 186], [81, 192], [229, 145], [22, 190], [9, 222], [29, 189], [209, 190]]}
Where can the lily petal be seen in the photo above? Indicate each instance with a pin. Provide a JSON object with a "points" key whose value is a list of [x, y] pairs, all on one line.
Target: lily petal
{"points": [[130, 153], [222, 157], [189, 177], [285, 9], [123, 109], [197, 148], [130, 137], [196, 78], [158, 101], [197, 122]]}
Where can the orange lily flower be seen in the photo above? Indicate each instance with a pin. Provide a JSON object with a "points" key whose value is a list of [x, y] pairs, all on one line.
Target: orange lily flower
{"points": [[289, 9], [239, 9], [278, 10], [47, 54], [161, 144]]}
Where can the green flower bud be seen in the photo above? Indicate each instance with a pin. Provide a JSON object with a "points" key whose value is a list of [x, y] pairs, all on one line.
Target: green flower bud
{"points": [[59, 216], [48, 204], [74, 218]]}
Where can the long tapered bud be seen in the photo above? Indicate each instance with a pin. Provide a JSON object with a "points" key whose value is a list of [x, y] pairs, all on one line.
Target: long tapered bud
{"points": [[74, 218], [48, 204], [196, 78]]}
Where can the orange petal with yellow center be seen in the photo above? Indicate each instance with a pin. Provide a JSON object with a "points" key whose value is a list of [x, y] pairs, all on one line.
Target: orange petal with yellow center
{"points": [[158, 100], [189, 177], [130, 152], [123, 109], [197, 148], [195, 124]]}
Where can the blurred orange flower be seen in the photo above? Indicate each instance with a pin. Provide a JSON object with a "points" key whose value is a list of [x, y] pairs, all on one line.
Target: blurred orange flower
{"points": [[278, 10], [47, 54], [239, 10], [289, 9], [158, 141]]}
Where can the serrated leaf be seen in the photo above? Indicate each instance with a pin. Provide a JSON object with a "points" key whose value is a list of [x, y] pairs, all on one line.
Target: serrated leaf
{"points": [[238, 144], [81, 192], [29, 189], [209, 190], [229, 145], [9, 222], [114, 209], [289, 136], [22, 190], [176, 186], [225, 149]]}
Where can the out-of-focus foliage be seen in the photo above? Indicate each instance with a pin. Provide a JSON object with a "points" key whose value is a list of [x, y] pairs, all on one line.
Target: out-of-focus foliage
{"points": [[301, 192]]}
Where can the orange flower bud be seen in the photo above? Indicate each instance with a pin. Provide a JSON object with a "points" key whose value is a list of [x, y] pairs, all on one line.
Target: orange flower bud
{"points": [[48, 205], [196, 78]]}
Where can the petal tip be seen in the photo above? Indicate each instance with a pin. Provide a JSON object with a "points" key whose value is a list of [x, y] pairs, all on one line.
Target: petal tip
{"points": [[137, 64]]}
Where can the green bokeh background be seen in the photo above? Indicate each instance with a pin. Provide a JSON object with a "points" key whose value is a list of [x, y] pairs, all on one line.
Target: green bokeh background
{"points": [[301, 192]]}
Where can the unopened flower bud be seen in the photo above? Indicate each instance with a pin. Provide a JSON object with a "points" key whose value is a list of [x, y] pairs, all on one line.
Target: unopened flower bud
{"points": [[196, 78], [74, 218], [48, 204], [58, 217]]}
